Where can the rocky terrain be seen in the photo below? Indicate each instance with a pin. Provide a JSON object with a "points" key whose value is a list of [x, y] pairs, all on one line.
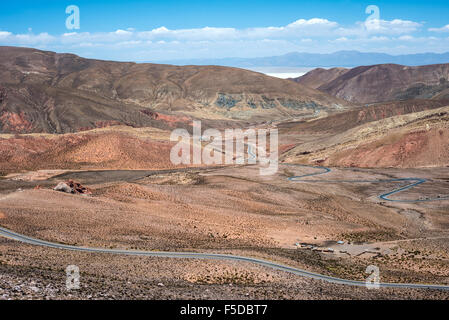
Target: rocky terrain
{"points": [[112, 278], [108, 148], [381, 83], [319, 76], [100, 132], [43, 91], [343, 121], [416, 139], [25, 275], [221, 210], [125, 147]]}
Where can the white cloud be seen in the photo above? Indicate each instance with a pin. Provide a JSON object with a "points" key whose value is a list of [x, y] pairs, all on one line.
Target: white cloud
{"points": [[301, 28], [312, 22], [189, 34], [129, 43], [379, 38], [32, 39], [311, 27], [123, 32], [400, 26], [5, 34], [86, 44], [308, 35], [442, 29], [376, 26]]}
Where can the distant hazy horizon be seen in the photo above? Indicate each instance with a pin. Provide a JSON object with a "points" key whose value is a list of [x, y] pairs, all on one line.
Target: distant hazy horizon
{"points": [[283, 72], [168, 30]]}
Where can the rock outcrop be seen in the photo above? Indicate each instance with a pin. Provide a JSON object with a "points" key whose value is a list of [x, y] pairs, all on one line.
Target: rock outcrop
{"points": [[71, 186]]}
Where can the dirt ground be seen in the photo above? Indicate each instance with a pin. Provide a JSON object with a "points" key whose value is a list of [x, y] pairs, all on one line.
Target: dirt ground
{"points": [[224, 210]]}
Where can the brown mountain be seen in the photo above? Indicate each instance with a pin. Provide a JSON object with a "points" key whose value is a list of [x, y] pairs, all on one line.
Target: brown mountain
{"points": [[319, 76], [384, 82], [340, 122], [43, 91], [105, 148], [416, 139]]}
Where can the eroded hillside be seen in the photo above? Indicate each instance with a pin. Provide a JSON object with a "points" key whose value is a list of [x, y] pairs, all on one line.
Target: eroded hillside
{"points": [[418, 139], [381, 83], [44, 91]]}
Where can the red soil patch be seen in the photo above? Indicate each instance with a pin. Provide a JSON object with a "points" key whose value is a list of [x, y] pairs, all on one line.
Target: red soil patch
{"points": [[168, 119], [110, 150], [15, 122], [420, 148]]}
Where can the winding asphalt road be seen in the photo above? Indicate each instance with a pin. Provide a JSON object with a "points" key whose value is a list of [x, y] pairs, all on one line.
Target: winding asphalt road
{"points": [[412, 182], [211, 256]]}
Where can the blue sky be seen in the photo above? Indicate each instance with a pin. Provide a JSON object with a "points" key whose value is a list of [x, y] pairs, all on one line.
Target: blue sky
{"points": [[163, 30]]}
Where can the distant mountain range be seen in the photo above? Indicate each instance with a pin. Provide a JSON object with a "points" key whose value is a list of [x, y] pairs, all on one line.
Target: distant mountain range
{"points": [[381, 83], [336, 59], [42, 91]]}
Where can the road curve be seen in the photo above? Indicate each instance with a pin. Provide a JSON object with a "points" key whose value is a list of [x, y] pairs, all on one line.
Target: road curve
{"points": [[413, 182], [213, 256]]}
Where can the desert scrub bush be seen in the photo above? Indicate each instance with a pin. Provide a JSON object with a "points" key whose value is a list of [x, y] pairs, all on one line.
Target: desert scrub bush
{"points": [[370, 236]]}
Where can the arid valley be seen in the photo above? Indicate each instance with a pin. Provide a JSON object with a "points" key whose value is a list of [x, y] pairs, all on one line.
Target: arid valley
{"points": [[360, 182]]}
